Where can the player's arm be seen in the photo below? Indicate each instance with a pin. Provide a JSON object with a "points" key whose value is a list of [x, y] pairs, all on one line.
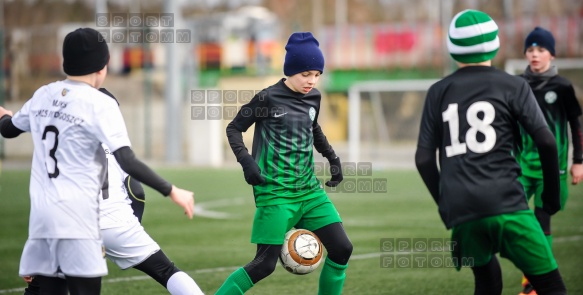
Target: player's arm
{"points": [[242, 121], [577, 139], [549, 159], [323, 147], [128, 162], [426, 163], [427, 143], [110, 130], [7, 128]]}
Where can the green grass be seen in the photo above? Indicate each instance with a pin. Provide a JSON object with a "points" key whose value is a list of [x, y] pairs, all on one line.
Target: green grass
{"points": [[203, 246]]}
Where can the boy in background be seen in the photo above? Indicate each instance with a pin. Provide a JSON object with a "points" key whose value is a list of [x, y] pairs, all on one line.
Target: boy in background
{"points": [[556, 98]]}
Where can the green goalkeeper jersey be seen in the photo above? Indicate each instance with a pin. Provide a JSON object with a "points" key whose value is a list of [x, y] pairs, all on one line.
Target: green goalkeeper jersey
{"points": [[557, 100], [286, 130]]}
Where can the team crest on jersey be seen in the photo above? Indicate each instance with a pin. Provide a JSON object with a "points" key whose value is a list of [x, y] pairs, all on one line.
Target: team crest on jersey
{"points": [[312, 113], [64, 92], [550, 97]]}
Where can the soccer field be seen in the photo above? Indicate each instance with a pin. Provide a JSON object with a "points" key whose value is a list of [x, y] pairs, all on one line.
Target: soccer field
{"points": [[216, 242]]}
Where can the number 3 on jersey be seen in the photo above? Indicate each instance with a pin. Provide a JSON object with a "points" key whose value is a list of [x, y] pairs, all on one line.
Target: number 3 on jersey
{"points": [[52, 150], [476, 123]]}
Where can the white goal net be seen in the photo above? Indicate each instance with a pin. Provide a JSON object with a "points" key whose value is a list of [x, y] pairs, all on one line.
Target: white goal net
{"points": [[384, 116]]}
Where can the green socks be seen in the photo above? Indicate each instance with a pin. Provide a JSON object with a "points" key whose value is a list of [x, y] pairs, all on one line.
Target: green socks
{"points": [[237, 283], [332, 278]]}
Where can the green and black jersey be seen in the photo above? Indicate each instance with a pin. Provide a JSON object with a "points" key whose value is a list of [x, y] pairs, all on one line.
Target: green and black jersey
{"points": [[557, 100], [471, 118], [286, 130]]}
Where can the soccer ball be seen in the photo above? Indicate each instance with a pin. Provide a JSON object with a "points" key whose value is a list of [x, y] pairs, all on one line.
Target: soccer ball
{"points": [[301, 252]]}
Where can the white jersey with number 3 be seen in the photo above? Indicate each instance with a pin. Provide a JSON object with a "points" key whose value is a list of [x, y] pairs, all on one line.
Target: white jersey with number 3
{"points": [[68, 121]]}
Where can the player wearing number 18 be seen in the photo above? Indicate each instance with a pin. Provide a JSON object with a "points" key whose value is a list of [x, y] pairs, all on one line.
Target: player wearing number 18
{"points": [[68, 121], [470, 117]]}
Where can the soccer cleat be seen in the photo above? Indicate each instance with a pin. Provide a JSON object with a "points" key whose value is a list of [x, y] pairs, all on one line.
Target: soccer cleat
{"points": [[527, 289]]}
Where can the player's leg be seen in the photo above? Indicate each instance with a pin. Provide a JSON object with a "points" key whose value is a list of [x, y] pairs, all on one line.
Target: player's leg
{"points": [[130, 246], [83, 286], [33, 287], [264, 262], [83, 264], [269, 227], [524, 243], [137, 195], [488, 278], [39, 256], [544, 219], [475, 243], [321, 217], [43, 285], [161, 269], [534, 187], [339, 249], [550, 283], [259, 268]]}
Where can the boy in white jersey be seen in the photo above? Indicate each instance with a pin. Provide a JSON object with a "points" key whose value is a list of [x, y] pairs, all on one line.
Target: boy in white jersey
{"points": [[126, 242], [68, 121]]}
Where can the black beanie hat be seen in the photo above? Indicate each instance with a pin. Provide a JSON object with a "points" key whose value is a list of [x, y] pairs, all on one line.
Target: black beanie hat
{"points": [[302, 54], [84, 52], [540, 37]]}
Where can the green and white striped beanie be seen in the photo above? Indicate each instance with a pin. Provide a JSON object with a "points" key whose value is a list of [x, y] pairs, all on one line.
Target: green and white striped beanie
{"points": [[472, 37]]}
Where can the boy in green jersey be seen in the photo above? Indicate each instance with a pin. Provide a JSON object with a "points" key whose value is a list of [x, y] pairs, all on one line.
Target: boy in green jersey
{"points": [[470, 118], [556, 98], [281, 170]]}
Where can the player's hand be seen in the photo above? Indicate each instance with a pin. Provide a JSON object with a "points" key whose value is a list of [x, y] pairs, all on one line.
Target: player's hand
{"points": [[4, 111], [184, 199], [577, 173], [28, 279], [251, 171], [551, 202], [336, 172]]}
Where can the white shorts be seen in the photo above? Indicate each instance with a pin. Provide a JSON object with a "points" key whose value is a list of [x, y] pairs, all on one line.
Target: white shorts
{"points": [[128, 245], [76, 258]]}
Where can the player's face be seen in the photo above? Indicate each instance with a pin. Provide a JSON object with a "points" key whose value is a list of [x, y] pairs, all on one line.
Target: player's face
{"points": [[539, 58], [303, 82]]}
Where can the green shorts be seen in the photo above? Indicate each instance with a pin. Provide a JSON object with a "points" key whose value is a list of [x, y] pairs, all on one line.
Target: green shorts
{"points": [[517, 236], [272, 222], [534, 186]]}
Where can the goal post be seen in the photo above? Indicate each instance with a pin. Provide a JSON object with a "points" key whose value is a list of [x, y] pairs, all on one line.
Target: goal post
{"points": [[374, 88]]}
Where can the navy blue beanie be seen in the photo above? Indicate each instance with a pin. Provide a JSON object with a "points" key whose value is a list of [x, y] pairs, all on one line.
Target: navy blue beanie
{"points": [[84, 52], [302, 54], [540, 37]]}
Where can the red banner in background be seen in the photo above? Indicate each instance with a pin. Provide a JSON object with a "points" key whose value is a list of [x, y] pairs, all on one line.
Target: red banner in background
{"points": [[389, 41]]}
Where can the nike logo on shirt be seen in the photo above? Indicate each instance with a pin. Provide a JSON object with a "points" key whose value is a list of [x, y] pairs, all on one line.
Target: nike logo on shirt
{"points": [[279, 115]]}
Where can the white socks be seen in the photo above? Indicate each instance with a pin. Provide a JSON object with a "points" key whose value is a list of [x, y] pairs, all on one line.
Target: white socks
{"points": [[182, 284]]}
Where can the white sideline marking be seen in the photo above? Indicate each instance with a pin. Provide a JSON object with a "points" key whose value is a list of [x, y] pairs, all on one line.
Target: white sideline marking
{"points": [[200, 209], [232, 268]]}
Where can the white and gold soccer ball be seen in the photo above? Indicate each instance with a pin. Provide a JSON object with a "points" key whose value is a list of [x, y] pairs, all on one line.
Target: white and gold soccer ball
{"points": [[301, 252]]}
